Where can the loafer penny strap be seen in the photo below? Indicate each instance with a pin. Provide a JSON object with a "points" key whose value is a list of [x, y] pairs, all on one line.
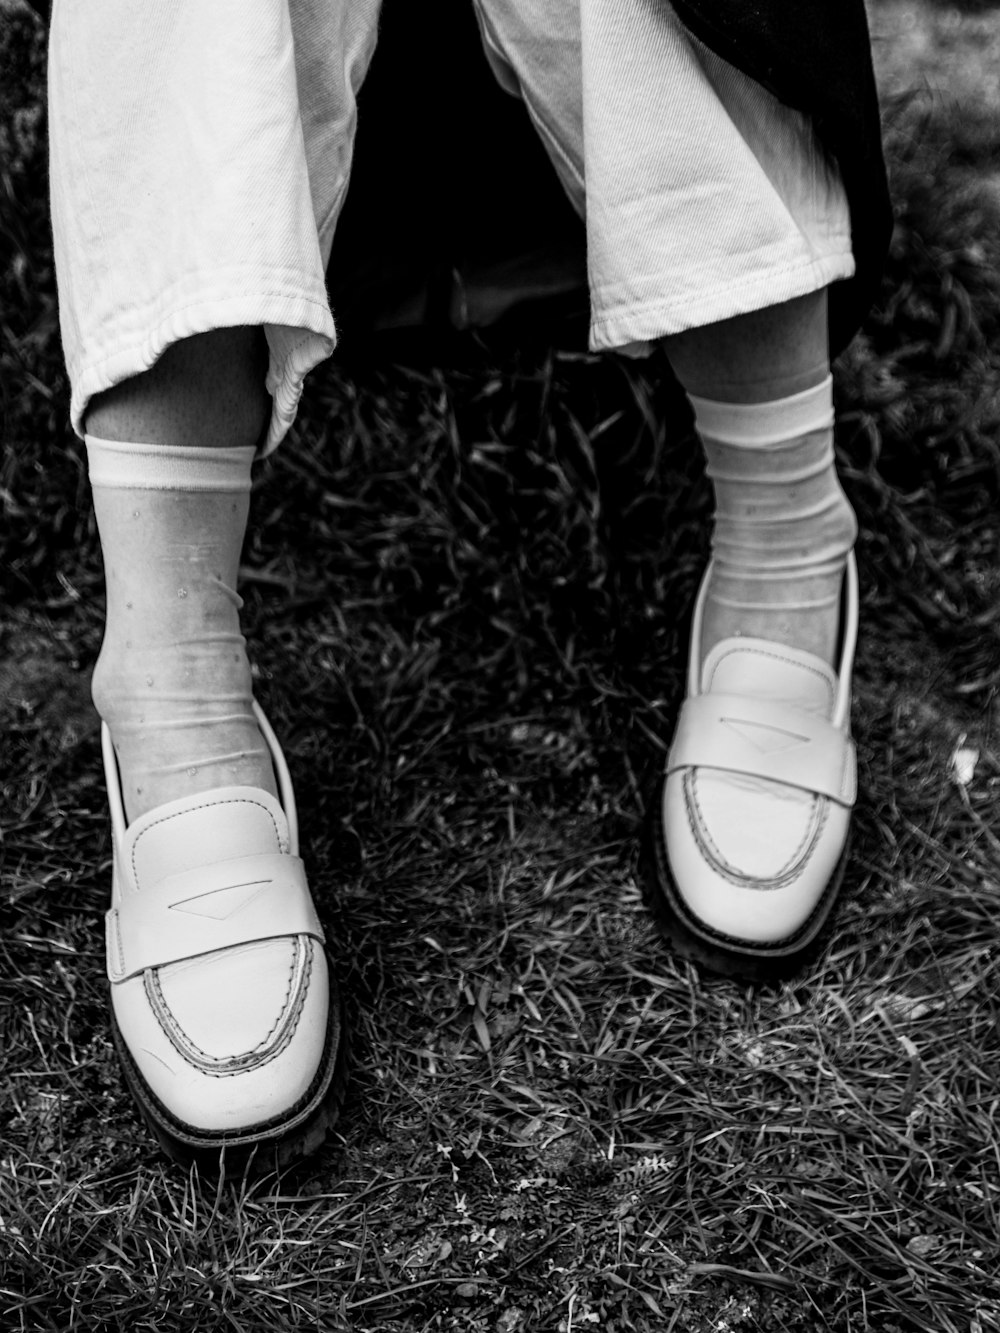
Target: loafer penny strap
{"points": [[211, 907], [764, 739]]}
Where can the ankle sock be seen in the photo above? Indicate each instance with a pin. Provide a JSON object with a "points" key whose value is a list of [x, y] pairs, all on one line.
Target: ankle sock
{"points": [[173, 680], [783, 526]]}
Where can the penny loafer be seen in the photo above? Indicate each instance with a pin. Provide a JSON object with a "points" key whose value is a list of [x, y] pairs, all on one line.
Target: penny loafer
{"points": [[746, 840], [226, 1015]]}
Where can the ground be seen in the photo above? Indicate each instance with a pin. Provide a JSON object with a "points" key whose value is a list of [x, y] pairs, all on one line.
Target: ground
{"points": [[466, 588]]}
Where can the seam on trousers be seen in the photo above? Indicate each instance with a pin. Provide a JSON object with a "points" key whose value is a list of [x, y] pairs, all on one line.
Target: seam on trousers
{"points": [[604, 326], [256, 294]]}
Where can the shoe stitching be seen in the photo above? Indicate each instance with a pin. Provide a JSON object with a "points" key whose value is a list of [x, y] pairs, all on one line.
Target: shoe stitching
{"points": [[183, 1044], [214, 1066], [775, 657], [282, 1011], [794, 866], [116, 937], [204, 805], [288, 989], [248, 1061], [669, 893], [327, 1072]]}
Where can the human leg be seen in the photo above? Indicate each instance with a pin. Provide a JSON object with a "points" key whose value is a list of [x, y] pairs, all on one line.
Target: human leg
{"points": [[173, 680], [199, 160], [206, 391], [762, 392], [193, 201], [715, 225], [746, 841]]}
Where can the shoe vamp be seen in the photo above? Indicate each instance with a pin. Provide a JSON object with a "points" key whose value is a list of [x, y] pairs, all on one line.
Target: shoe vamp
{"points": [[755, 828], [233, 1002]]}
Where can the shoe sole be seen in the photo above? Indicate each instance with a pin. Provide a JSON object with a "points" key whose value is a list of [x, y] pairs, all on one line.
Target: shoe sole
{"points": [[725, 955], [271, 1146]]}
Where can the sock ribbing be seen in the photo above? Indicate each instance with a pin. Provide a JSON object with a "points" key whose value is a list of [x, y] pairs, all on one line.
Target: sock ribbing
{"points": [[783, 526], [766, 423], [159, 467]]}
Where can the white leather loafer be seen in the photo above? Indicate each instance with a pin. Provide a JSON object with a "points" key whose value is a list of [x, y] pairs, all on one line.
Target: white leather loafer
{"points": [[746, 843], [226, 1016]]}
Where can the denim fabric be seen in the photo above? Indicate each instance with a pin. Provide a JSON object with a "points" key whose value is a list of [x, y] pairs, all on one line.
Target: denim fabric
{"points": [[201, 151]]}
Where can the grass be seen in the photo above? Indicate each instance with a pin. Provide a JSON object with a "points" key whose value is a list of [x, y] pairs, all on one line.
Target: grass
{"points": [[466, 588]]}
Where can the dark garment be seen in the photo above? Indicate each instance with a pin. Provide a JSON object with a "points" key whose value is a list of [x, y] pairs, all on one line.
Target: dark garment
{"points": [[815, 56], [486, 226]]}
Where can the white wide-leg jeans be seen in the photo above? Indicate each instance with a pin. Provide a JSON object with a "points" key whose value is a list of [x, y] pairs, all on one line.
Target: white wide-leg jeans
{"points": [[201, 151]]}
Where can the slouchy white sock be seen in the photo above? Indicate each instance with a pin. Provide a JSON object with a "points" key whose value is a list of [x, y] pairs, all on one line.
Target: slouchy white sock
{"points": [[173, 680], [783, 526]]}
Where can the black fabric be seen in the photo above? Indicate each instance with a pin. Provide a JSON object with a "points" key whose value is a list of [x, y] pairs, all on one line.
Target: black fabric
{"points": [[815, 56], [455, 214]]}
